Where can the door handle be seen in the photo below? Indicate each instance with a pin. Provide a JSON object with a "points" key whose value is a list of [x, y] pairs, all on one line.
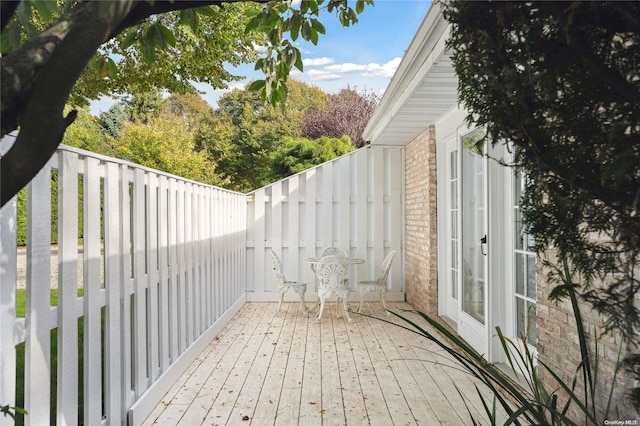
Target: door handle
{"points": [[483, 241]]}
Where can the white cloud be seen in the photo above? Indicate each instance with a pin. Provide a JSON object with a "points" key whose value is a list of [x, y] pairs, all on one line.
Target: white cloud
{"points": [[317, 62], [321, 75], [368, 70]]}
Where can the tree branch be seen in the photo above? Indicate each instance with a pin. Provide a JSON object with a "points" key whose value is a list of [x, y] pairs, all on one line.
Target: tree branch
{"points": [[38, 78], [41, 91]]}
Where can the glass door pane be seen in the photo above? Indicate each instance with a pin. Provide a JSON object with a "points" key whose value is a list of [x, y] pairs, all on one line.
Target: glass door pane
{"points": [[473, 226]]}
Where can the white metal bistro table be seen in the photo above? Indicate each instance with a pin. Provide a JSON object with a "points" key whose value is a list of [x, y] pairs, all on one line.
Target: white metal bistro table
{"points": [[332, 272]]}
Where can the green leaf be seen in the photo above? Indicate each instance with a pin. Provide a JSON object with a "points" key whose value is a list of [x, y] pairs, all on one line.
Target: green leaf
{"points": [[129, 39], [294, 26], [306, 30], [166, 36], [10, 38], [112, 68], [189, 17], [255, 23], [24, 11], [104, 71], [45, 8], [298, 62], [205, 11], [359, 6], [257, 85], [317, 25]]}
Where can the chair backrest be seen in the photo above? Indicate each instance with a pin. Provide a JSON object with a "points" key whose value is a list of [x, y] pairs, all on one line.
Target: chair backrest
{"points": [[386, 265], [331, 270], [277, 266], [333, 251]]}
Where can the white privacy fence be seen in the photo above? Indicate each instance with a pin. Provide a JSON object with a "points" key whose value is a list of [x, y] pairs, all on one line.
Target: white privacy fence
{"points": [[163, 269], [355, 202], [149, 267]]}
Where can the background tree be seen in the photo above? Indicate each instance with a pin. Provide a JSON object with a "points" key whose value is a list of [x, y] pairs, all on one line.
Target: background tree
{"points": [[561, 82], [347, 113], [165, 143], [141, 107], [189, 107], [298, 154], [244, 131], [113, 119], [42, 63]]}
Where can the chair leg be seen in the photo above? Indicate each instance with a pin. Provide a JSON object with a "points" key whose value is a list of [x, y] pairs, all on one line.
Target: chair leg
{"points": [[282, 291], [383, 294], [346, 310], [361, 297], [319, 317], [303, 303]]}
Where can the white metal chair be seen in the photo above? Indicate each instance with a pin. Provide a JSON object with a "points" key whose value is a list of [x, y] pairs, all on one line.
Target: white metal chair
{"points": [[283, 285], [330, 251], [337, 251], [331, 271], [380, 284]]}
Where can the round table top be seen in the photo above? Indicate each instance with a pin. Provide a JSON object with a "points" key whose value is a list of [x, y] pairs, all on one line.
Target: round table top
{"points": [[350, 260]]}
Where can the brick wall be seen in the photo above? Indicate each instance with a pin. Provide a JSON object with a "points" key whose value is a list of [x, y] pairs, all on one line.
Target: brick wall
{"points": [[558, 347], [421, 253]]}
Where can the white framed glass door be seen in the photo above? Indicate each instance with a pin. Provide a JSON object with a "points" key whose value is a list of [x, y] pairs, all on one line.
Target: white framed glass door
{"points": [[474, 240]]}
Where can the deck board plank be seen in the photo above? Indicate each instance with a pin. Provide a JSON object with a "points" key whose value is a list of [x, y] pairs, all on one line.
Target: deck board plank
{"points": [[286, 369]]}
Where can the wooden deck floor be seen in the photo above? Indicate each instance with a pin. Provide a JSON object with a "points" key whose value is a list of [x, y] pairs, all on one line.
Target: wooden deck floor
{"points": [[284, 369]]}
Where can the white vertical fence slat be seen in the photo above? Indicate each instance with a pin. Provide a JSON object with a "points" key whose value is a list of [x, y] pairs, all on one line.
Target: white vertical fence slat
{"points": [[292, 226], [379, 183], [259, 241], [353, 202], [153, 320], [163, 271], [126, 289], [38, 311], [113, 265], [181, 283], [67, 384], [140, 283], [309, 216], [92, 290], [174, 272], [8, 272], [188, 262]]}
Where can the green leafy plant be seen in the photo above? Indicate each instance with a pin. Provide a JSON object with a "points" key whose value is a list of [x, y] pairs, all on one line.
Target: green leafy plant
{"points": [[537, 404]]}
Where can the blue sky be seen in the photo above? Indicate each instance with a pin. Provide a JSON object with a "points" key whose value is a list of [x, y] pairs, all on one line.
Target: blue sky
{"points": [[363, 56]]}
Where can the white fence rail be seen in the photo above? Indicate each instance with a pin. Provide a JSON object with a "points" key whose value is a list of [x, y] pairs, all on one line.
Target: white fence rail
{"points": [[163, 268], [354, 202]]}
